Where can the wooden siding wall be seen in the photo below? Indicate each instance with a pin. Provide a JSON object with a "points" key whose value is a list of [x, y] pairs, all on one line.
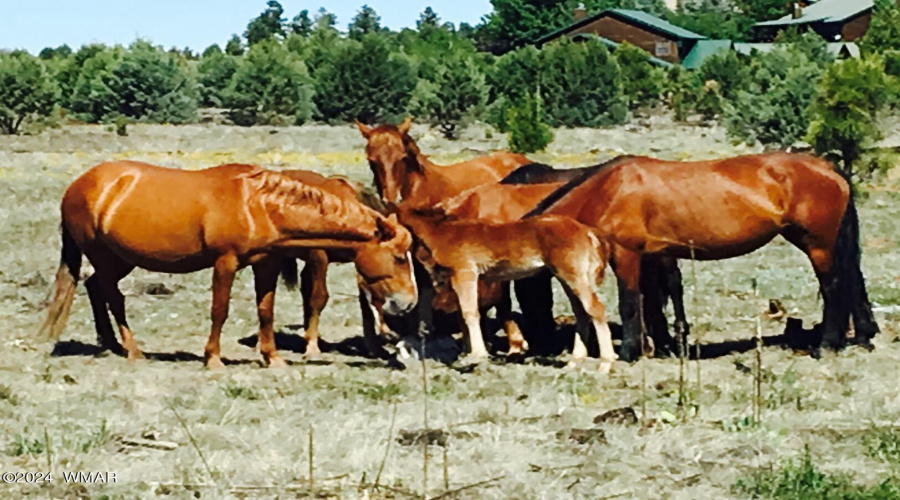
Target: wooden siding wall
{"points": [[856, 28], [618, 31]]}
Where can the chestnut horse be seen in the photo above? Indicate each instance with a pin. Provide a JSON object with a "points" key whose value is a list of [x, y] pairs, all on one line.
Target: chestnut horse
{"points": [[313, 278], [465, 250], [123, 215], [403, 174], [718, 209], [660, 277]]}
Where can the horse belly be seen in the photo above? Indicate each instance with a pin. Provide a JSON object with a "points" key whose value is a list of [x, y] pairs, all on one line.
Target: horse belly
{"points": [[163, 246], [711, 239]]}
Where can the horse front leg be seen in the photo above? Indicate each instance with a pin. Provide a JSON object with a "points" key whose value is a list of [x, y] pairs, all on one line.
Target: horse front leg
{"points": [[314, 288], [465, 284], [265, 280], [223, 278], [627, 267]]}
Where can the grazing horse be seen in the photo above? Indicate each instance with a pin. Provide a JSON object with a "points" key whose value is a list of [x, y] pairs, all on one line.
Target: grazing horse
{"points": [[660, 277], [462, 251], [313, 278], [718, 209], [403, 174], [123, 215]]}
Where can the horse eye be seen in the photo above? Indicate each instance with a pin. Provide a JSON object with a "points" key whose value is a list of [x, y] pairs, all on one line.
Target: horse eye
{"points": [[400, 260]]}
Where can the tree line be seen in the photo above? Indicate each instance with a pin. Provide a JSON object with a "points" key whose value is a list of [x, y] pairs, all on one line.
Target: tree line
{"points": [[282, 72]]}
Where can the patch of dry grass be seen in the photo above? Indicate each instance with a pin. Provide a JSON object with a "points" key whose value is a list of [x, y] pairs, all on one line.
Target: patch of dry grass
{"points": [[501, 421]]}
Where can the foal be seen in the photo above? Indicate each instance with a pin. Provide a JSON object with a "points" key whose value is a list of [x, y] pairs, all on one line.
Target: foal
{"points": [[466, 250]]}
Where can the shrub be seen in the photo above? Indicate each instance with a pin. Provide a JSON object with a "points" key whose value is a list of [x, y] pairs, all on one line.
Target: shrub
{"points": [[455, 91], [269, 81], [121, 124], [27, 91], [528, 130], [642, 83], [846, 107], [683, 89], [884, 32], [143, 83], [581, 84], [215, 71], [363, 80], [773, 108]]}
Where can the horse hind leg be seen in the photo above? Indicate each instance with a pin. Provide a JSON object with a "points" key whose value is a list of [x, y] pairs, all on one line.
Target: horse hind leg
{"points": [[116, 302], [836, 311], [517, 344], [106, 337], [265, 281]]}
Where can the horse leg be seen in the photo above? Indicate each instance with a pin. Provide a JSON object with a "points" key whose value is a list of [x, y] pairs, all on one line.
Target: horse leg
{"points": [[465, 284], [223, 278], [517, 344], [373, 324], [106, 337], [627, 266], [314, 288], [265, 280], [654, 295], [535, 296], [675, 287], [836, 313]]}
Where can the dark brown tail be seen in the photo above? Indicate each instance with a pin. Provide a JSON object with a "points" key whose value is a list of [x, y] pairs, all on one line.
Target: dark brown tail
{"points": [[852, 283], [289, 273], [64, 288]]}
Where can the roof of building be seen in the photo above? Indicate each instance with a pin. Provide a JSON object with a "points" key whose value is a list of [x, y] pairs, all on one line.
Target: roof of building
{"points": [[643, 19], [703, 50], [824, 11], [834, 49]]}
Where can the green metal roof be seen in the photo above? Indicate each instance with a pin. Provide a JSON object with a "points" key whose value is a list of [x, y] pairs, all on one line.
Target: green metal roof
{"points": [[829, 11], [704, 49], [656, 23], [648, 21], [835, 48]]}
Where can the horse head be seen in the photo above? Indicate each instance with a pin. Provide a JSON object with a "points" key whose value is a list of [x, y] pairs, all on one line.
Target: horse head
{"points": [[384, 265], [393, 156]]}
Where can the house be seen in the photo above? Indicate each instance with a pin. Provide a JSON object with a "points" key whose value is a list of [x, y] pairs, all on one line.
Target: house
{"points": [[834, 20], [661, 39]]}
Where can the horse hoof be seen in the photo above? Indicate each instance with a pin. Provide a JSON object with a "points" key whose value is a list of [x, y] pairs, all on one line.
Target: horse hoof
{"points": [[312, 354], [864, 343], [135, 355], [276, 362], [215, 363], [629, 354]]}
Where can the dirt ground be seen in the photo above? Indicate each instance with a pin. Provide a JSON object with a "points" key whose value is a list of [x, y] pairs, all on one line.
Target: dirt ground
{"points": [[246, 433]]}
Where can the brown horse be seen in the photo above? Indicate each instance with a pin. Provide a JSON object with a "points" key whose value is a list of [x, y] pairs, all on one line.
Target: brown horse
{"points": [[462, 251], [403, 174], [660, 276], [123, 215], [313, 278], [719, 209]]}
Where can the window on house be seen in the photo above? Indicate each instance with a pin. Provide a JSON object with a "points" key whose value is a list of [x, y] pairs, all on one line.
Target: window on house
{"points": [[663, 49]]}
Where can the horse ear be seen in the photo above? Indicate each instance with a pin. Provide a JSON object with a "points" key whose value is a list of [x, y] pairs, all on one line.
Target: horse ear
{"points": [[364, 129], [405, 126], [386, 228]]}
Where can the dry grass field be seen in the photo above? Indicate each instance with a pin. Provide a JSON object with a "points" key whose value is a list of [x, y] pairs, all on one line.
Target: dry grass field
{"points": [[245, 433]]}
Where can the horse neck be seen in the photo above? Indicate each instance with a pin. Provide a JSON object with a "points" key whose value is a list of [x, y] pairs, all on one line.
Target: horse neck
{"points": [[306, 216]]}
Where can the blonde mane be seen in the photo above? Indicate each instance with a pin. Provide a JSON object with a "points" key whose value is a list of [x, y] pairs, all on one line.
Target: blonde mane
{"points": [[331, 213]]}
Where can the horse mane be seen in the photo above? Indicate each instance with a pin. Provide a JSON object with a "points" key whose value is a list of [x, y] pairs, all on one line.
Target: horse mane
{"points": [[524, 174], [272, 188], [587, 173]]}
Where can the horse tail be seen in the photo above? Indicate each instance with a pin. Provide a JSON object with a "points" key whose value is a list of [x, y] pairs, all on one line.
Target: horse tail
{"points": [[64, 287], [289, 272], [847, 259]]}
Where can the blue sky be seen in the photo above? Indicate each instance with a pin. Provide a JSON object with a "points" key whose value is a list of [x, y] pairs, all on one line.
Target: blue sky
{"points": [[35, 24]]}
